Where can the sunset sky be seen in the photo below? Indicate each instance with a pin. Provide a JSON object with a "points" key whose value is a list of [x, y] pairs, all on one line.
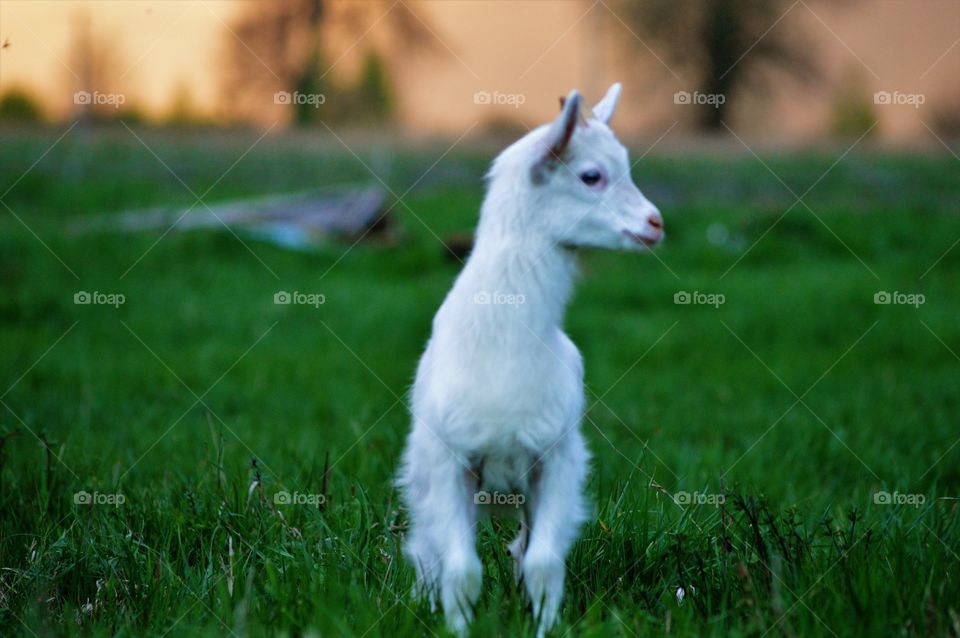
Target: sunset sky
{"points": [[534, 49]]}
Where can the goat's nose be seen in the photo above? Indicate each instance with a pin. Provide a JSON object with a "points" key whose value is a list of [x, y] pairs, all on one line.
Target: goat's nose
{"points": [[655, 221]]}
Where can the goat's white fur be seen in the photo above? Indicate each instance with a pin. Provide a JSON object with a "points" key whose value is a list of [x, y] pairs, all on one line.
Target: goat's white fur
{"points": [[498, 395]]}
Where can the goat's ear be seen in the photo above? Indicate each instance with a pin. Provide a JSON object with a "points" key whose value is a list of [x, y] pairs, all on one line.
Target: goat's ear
{"points": [[604, 109], [558, 136]]}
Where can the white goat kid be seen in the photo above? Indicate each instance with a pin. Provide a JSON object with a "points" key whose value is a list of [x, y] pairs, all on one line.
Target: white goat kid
{"points": [[498, 395]]}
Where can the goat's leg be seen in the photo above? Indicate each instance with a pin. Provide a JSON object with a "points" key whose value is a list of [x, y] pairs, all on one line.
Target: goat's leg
{"points": [[420, 550], [455, 517], [420, 545], [439, 490], [557, 510], [517, 548]]}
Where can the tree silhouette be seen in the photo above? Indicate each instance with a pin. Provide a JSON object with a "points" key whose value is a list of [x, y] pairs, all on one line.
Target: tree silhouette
{"points": [[19, 105], [278, 46], [727, 45]]}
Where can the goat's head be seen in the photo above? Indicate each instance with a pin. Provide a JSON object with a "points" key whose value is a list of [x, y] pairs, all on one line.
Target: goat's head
{"points": [[579, 178]]}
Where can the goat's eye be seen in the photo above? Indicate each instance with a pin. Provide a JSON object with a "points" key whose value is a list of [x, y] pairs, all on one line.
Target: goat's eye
{"points": [[591, 177]]}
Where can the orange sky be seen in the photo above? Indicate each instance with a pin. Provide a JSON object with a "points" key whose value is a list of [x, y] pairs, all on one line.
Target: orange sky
{"points": [[161, 45], [535, 49]]}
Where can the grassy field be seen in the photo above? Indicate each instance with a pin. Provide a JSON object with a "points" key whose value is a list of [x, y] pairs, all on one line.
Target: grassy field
{"points": [[823, 421]]}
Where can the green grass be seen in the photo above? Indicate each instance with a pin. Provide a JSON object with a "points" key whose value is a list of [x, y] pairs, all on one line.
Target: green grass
{"points": [[170, 397]]}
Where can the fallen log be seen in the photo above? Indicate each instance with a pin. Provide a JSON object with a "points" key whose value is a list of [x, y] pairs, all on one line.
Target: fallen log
{"points": [[293, 220]]}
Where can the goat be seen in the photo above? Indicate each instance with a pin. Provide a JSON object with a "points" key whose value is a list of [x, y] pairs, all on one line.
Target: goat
{"points": [[498, 395]]}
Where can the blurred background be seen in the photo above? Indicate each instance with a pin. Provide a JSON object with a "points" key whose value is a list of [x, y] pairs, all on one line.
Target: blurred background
{"points": [[225, 227], [788, 70]]}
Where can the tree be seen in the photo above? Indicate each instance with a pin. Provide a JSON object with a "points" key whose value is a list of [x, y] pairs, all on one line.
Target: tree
{"points": [[182, 111], [853, 109], [277, 46], [727, 45], [97, 59], [372, 93], [17, 105]]}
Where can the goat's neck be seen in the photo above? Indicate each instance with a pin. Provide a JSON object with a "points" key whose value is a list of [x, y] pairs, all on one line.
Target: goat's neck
{"points": [[524, 279]]}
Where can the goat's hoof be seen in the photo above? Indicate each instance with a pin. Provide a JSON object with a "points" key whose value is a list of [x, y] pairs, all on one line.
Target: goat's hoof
{"points": [[461, 589]]}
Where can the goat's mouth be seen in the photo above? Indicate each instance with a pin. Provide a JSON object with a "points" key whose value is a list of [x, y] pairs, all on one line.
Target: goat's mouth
{"points": [[646, 240]]}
